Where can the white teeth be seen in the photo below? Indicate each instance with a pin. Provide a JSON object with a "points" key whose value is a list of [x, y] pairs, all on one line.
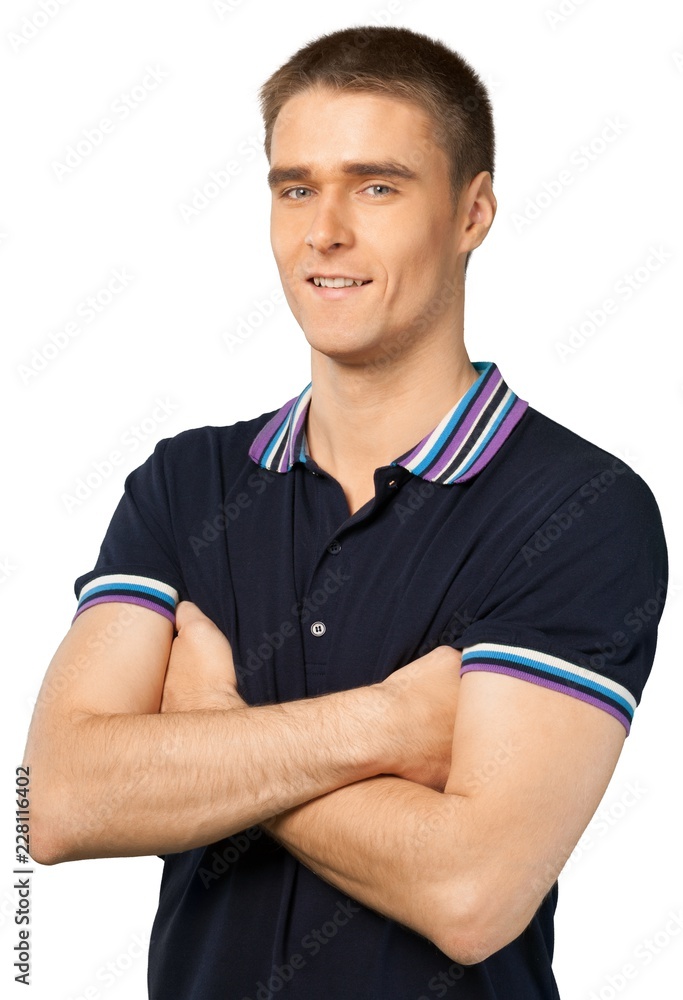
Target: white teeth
{"points": [[336, 282]]}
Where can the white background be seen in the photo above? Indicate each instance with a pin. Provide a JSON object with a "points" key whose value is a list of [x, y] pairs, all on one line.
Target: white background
{"points": [[555, 82]]}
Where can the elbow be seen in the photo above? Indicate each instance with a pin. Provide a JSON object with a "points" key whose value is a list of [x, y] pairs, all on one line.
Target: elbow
{"points": [[50, 840], [47, 843], [464, 945], [466, 948], [45, 851], [472, 928], [55, 800]]}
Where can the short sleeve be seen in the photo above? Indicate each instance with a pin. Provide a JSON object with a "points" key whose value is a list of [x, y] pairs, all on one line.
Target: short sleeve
{"points": [[138, 561], [577, 608]]}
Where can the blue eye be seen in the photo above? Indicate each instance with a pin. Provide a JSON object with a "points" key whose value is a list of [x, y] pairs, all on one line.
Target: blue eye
{"points": [[287, 194]]}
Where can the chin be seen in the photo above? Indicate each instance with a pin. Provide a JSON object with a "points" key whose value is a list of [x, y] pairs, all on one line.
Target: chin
{"points": [[341, 347]]}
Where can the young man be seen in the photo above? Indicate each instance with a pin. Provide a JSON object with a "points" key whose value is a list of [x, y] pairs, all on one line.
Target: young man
{"points": [[404, 668]]}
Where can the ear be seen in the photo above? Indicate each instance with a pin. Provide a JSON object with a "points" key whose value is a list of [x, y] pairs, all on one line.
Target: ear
{"points": [[477, 209]]}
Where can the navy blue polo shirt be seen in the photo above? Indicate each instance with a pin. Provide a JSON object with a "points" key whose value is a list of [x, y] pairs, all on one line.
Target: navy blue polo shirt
{"points": [[502, 533]]}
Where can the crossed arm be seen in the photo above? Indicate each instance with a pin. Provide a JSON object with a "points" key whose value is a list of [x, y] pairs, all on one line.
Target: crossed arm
{"points": [[447, 804], [527, 776]]}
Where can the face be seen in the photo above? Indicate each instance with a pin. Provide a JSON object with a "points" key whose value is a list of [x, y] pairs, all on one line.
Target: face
{"points": [[359, 191]]}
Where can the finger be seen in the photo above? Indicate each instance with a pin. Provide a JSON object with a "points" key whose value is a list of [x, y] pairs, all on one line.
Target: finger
{"points": [[201, 655], [198, 628], [451, 651], [186, 612]]}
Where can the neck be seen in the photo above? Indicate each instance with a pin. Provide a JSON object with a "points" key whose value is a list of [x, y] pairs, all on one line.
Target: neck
{"points": [[362, 417]]}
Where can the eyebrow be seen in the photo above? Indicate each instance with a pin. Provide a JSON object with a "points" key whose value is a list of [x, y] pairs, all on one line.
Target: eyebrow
{"points": [[385, 168]]}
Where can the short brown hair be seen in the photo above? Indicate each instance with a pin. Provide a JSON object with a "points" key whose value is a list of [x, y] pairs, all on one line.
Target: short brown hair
{"points": [[404, 64]]}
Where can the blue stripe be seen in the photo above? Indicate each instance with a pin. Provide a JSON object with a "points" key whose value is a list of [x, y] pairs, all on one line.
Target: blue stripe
{"points": [[127, 587], [475, 455], [270, 447], [454, 421], [438, 449], [552, 670]]}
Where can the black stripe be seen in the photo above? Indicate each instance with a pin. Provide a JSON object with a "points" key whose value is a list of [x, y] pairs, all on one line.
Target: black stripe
{"points": [[128, 592], [468, 447], [576, 685]]}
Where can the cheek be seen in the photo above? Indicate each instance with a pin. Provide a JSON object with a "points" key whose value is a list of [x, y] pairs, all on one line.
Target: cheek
{"points": [[279, 251], [413, 269], [283, 244], [292, 301], [408, 247]]}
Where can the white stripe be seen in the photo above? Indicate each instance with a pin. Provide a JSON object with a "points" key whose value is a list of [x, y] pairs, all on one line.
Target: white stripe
{"points": [[482, 435], [127, 578], [273, 445], [434, 436], [294, 419], [555, 661]]}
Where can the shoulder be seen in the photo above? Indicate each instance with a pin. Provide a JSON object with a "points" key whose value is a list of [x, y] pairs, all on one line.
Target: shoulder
{"points": [[227, 445], [196, 466], [554, 448], [552, 462]]}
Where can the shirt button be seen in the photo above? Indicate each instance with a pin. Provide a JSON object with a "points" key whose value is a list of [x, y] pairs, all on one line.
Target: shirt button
{"points": [[392, 483], [318, 628], [334, 547]]}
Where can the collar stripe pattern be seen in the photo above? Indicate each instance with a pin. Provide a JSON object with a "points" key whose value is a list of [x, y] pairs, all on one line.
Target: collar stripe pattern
{"points": [[456, 450], [470, 434], [274, 447]]}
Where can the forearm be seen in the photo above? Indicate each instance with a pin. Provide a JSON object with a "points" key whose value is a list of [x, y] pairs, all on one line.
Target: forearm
{"points": [[387, 842], [163, 783], [469, 867]]}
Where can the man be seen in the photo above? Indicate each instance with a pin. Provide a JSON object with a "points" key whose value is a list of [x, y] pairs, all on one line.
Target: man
{"points": [[407, 656]]}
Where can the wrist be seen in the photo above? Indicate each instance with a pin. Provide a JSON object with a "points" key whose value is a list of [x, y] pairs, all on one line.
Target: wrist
{"points": [[381, 712], [234, 699]]}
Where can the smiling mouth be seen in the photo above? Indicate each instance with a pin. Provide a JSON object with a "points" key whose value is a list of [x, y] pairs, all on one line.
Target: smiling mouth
{"points": [[338, 282]]}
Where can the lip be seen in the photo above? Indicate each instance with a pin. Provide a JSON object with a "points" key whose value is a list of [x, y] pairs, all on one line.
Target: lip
{"points": [[332, 274], [337, 293]]}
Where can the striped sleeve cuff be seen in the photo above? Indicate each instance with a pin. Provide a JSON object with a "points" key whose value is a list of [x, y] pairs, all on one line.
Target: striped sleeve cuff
{"points": [[554, 673], [128, 589]]}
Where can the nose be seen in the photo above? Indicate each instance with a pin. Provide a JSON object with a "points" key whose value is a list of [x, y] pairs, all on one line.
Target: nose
{"points": [[329, 226]]}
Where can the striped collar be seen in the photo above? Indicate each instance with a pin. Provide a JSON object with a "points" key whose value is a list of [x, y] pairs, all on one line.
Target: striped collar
{"points": [[457, 449]]}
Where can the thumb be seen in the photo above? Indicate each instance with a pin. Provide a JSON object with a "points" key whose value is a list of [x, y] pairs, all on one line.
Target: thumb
{"points": [[187, 612]]}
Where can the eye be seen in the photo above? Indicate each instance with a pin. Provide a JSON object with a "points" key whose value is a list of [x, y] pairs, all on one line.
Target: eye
{"points": [[386, 187], [290, 191]]}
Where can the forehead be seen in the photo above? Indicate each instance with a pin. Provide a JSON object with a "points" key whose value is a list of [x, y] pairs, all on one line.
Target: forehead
{"points": [[323, 126]]}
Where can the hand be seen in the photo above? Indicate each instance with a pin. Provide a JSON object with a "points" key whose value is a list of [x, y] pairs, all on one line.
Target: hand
{"points": [[200, 672], [425, 695]]}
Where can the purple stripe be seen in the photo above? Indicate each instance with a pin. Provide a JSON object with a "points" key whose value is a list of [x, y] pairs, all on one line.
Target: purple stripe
{"points": [[289, 453], [510, 421], [262, 439], [481, 403], [281, 426], [553, 686], [126, 599], [418, 448]]}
